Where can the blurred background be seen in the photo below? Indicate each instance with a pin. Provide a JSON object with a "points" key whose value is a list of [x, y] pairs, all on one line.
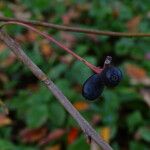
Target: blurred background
{"points": [[36, 120]]}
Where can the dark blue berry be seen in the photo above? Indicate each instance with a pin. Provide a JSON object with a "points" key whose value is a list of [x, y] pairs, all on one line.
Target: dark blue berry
{"points": [[93, 87], [111, 76]]}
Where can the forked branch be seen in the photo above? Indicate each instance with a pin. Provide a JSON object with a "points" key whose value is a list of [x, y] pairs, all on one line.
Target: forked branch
{"points": [[51, 39]]}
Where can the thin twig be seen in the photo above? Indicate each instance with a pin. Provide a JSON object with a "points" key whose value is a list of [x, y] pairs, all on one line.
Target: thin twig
{"points": [[76, 29], [51, 39], [85, 126]]}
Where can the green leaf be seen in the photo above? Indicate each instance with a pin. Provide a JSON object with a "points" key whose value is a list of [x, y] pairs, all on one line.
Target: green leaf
{"points": [[57, 71], [79, 72], [134, 120], [79, 144], [145, 133], [6, 145], [36, 115], [138, 146], [57, 114]]}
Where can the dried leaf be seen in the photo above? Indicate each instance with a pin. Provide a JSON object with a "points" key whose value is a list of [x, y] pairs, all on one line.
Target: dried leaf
{"points": [[80, 105], [132, 24], [54, 147], [8, 61], [20, 11], [33, 86], [53, 136], [146, 96], [105, 133], [30, 36], [2, 47], [68, 39], [3, 77], [67, 59], [96, 119], [46, 49], [137, 74], [71, 14], [32, 135], [72, 135], [4, 120]]}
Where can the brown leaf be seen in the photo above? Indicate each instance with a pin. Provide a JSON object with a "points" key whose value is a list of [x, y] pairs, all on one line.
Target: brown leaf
{"points": [[80, 105], [146, 96], [83, 7], [72, 135], [68, 39], [20, 11], [54, 135], [46, 49], [20, 38], [132, 24], [2, 47], [96, 119], [4, 120], [54, 147], [3, 77], [30, 36], [32, 135], [33, 86], [2, 4], [8, 61], [137, 74], [71, 14], [67, 59]]}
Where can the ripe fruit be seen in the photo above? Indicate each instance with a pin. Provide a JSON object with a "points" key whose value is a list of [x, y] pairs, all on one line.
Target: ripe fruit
{"points": [[93, 87], [111, 76]]}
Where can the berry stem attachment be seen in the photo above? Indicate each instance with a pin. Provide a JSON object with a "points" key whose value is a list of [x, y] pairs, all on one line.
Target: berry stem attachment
{"points": [[51, 39], [108, 61]]}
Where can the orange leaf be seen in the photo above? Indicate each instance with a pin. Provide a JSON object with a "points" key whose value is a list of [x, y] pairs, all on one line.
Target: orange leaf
{"points": [[2, 47], [105, 133], [132, 24], [32, 135], [8, 61], [30, 36], [72, 136], [4, 120], [55, 147], [137, 74], [81, 105], [46, 49], [135, 71], [53, 136]]}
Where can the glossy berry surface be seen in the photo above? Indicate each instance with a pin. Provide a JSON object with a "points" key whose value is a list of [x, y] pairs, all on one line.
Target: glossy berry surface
{"points": [[93, 87], [112, 76]]}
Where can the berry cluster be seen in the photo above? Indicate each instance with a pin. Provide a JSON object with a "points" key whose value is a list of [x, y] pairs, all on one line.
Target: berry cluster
{"points": [[94, 85]]}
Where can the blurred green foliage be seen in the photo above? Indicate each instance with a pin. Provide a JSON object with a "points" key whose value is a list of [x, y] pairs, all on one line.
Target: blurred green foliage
{"points": [[122, 109]]}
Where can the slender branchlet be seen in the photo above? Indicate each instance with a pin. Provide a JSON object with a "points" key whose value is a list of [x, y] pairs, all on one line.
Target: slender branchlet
{"points": [[51, 39], [76, 29]]}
